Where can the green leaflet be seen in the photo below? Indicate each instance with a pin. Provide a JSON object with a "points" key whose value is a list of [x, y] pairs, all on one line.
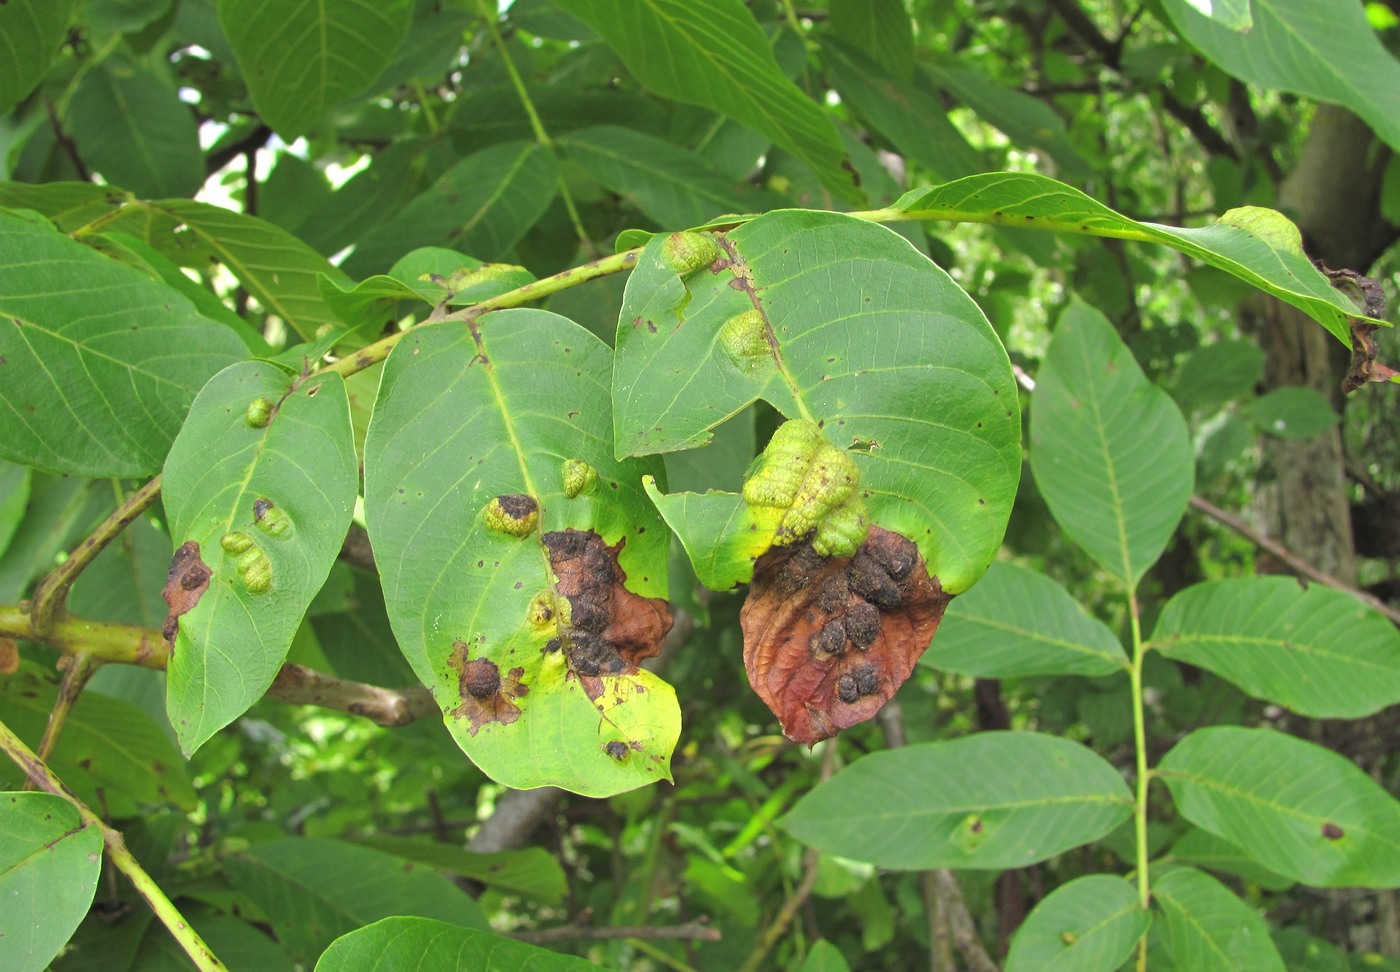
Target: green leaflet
{"points": [[267, 508], [424, 943], [1233, 244], [495, 414], [868, 339], [1090, 924]]}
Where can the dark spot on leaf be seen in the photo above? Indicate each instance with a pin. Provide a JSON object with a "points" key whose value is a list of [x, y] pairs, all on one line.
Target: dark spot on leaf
{"points": [[885, 604], [487, 696], [610, 629], [617, 750], [517, 505], [185, 584], [976, 825], [1332, 832]]}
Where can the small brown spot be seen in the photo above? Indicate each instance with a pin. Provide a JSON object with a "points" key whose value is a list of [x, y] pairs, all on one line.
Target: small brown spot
{"points": [[617, 750], [977, 826], [487, 696], [518, 505], [830, 640], [481, 678], [1332, 832], [847, 690], [863, 624], [260, 507]]}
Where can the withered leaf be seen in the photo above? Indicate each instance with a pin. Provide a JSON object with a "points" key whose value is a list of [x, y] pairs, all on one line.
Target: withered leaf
{"points": [[610, 629], [185, 584], [827, 642], [487, 695]]}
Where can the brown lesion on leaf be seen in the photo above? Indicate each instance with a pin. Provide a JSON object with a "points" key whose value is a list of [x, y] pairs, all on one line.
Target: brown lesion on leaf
{"points": [[609, 629], [487, 695], [1331, 831], [828, 641], [1367, 292], [185, 584]]}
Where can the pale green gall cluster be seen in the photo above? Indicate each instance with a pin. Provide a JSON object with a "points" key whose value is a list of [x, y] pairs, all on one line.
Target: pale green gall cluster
{"points": [[687, 253], [255, 570], [515, 514], [579, 478], [744, 339], [259, 413], [816, 484]]}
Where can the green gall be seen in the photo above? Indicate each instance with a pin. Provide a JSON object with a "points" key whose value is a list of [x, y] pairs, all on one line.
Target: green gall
{"points": [[235, 543], [255, 571], [468, 277], [543, 611], [271, 518], [843, 530], [579, 478], [814, 483], [687, 253], [259, 413], [744, 340], [513, 513], [1269, 225]]}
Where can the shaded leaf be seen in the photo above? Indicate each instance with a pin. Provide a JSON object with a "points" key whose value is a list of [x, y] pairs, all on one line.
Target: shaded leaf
{"points": [[879, 29], [108, 748], [1205, 850], [1017, 622], [303, 58], [1305, 812], [1110, 451], [1315, 650], [98, 363], [1090, 924], [669, 184], [829, 303], [49, 863], [313, 890], [482, 206], [824, 957], [1250, 243], [717, 56], [530, 871], [1217, 373], [993, 800], [1233, 14], [1292, 413], [1205, 928], [486, 435], [421, 942], [261, 482], [14, 497], [132, 127], [31, 33], [1325, 50]]}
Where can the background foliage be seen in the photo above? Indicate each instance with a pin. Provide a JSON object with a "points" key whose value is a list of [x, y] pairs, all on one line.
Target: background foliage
{"points": [[211, 205]]}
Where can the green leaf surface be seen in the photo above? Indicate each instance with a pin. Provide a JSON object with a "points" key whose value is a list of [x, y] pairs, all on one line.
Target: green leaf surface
{"points": [[304, 57], [131, 126], [1303, 811], [482, 205], [672, 186], [869, 338], [1090, 924], [465, 416], [371, 196], [1217, 373], [69, 205], [824, 957], [120, 16], [1110, 451], [1251, 244], [1017, 622], [880, 29], [100, 363], [1292, 413], [49, 863], [31, 33], [1203, 849], [313, 890], [715, 55], [914, 120], [993, 800], [1314, 650], [107, 747], [399, 943], [278, 269], [532, 871], [1324, 49], [289, 487], [14, 497], [60, 513], [1232, 14], [1205, 928]]}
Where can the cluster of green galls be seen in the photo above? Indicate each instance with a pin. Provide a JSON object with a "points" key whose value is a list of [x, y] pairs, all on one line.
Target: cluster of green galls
{"points": [[251, 561], [811, 487]]}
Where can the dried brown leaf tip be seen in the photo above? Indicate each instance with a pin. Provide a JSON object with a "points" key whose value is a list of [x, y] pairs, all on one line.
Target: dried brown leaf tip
{"points": [[609, 629], [487, 695], [828, 641], [185, 584]]}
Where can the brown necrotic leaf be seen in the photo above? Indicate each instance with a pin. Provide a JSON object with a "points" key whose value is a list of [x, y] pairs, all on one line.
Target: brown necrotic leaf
{"points": [[610, 629], [828, 641], [185, 584], [487, 695]]}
